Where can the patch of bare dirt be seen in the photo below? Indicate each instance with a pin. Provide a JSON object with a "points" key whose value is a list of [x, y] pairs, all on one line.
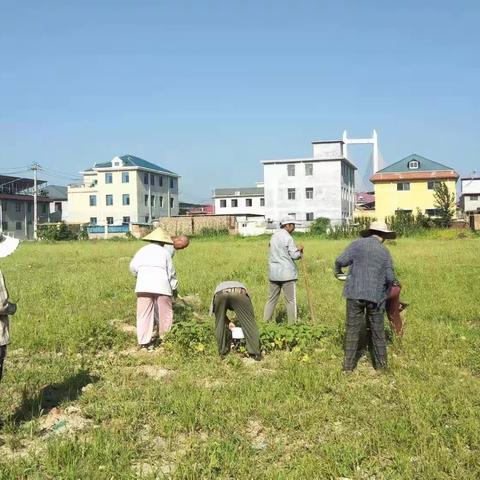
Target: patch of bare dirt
{"points": [[256, 433], [124, 327], [152, 371]]}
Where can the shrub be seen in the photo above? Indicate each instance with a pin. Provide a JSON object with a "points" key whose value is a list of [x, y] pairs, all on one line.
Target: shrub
{"points": [[55, 232], [320, 226], [213, 232]]}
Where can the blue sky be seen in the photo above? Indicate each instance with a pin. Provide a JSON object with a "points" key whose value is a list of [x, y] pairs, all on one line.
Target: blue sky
{"points": [[209, 89]]}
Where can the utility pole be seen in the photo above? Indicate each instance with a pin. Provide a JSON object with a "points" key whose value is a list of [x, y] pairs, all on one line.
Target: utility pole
{"points": [[35, 166]]}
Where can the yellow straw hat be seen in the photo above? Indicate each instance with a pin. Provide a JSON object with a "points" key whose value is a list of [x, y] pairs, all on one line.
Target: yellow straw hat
{"points": [[158, 235]]}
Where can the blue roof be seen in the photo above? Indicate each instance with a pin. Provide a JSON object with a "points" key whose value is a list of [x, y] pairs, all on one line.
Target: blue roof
{"points": [[132, 161], [424, 165]]}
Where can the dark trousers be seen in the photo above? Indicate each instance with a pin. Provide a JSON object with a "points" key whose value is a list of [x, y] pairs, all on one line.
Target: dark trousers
{"points": [[364, 329], [243, 308], [3, 354]]}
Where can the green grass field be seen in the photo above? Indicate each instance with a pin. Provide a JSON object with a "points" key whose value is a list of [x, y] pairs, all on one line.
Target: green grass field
{"points": [[79, 401]]}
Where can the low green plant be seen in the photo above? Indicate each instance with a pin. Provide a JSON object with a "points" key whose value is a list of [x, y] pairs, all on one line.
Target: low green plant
{"points": [[320, 226], [56, 232], [287, 337], [213, 232]]}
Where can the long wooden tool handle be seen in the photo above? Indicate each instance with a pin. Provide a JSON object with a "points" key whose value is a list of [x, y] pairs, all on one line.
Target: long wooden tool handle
{"points": [[309, 293]]}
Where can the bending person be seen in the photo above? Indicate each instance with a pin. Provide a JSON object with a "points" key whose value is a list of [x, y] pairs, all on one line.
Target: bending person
{"points": [[234, 296], [156, 284], [369, 280], [282, 271]]}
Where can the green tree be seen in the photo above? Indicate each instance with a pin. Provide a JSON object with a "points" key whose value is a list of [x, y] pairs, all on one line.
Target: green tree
{"points": [[444, 201]]}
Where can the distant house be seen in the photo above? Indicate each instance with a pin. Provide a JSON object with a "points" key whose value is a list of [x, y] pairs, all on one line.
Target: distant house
{"points": [[196, 209], [309, 188], [470, 199], [409, 185], [17, 209], [239, 201], [125, 190], [58, 196]]}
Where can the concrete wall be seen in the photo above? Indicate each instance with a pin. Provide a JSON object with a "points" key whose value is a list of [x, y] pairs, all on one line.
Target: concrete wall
{"points": [[328, 150], [471, 203], [242, 209], [332, 196]]}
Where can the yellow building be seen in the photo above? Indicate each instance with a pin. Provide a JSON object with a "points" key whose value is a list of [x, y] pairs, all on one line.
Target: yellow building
{"points": [[409, 184]]}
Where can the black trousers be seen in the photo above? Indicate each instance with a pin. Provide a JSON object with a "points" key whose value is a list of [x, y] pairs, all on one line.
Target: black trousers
{"points": [[3, 354], [364, 329], [243, 308]]}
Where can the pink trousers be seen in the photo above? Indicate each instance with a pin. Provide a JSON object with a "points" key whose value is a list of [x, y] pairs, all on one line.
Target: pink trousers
{"points": [[146, 303]]}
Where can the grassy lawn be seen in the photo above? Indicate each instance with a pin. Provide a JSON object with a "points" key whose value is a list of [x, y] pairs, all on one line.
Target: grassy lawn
{"points": [[79, 401]]}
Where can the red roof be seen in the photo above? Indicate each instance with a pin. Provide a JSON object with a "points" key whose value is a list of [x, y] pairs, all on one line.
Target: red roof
{"points": [[23, 198], [435, 175]]}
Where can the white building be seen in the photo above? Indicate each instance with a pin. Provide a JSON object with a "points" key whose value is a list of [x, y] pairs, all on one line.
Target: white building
{"points": [[470, 194], [125, 190], [239, 201], [309, 188]]}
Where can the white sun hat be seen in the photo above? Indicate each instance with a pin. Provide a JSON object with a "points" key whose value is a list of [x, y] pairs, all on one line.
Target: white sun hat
{"points": [[378, 227], [287, 220], [7, 245]]}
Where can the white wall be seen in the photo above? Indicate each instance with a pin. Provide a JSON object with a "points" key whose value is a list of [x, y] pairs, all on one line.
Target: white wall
{"points": [[471, 185], [326, 181], [242, 209], [328, 150]]}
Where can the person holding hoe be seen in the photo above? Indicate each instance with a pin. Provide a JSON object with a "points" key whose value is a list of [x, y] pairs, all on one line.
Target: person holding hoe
{"points": [[282, 271], [156, 285], [368, 283]]}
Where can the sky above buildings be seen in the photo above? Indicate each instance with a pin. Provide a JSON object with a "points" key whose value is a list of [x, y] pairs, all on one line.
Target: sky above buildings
{"points": [[209, 89]]}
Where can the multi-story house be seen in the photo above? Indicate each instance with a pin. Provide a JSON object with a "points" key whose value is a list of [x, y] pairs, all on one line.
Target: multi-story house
{"points": [[409, 185], [17, 208], [309, 188], [239, 201], [470, 200], [125, 190]]}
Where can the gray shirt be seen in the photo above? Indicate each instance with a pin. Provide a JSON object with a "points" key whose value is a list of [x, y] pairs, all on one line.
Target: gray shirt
{"points": [[283, 252], [370, 270], [170, 249], [223, 286]]}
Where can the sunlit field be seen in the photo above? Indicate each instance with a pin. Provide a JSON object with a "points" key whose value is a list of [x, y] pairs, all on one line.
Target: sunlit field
{"points": [[78, 401]]}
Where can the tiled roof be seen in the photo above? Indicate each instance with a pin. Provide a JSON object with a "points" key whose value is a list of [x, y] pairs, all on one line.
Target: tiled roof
{"points": [[56, 192], [132, 161], [424, 165], [235, 192]]}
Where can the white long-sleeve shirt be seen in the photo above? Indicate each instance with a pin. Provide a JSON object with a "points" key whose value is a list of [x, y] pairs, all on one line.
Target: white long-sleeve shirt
{"points": [[283, 252], [153, 267]]}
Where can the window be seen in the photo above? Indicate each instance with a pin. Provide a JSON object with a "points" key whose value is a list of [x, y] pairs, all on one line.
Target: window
{"points": [[29, 207], [109, 220], [413, 165], [309, 216], [18, 225], [291, 170], [146, 218], [93, 200], [172, 202], [248, 202], [431, 185], [223, 203], [152, 200], [160, 201], [152, 179], [146, 200], [309, 193], [18, 206], [93, 220], [4, 206], [4, 226], [145, 178], [291, 194], [125, 177], [126, 220], [108, 178], [58, 206], [309, 169], [125, 199], [44, 208], [403, 186], [160, 181], [474, 198], [234, 202], [293, 215], [109, 200], [433, 212], [172, 183], [262, 202]]}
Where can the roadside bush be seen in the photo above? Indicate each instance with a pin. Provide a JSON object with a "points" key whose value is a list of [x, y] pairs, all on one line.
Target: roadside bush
{"points": [[320, 226], [213, 232], [55, 232]]}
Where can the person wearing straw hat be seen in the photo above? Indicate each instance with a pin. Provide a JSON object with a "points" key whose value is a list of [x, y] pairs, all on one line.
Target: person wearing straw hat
{"points": [[156, 285], [179, 242], [234, 296], [7, 246], [369, 279], [282, 271]]}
